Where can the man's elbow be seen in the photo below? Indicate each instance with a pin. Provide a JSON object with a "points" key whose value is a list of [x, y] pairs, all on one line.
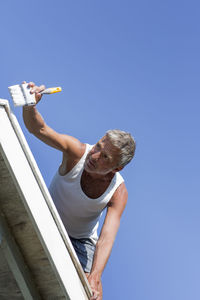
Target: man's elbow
{"points": [[37, 131]]}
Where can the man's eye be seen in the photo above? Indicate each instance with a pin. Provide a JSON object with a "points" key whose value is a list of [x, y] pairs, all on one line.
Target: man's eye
{"points": [[98, 146], [105, 156]]}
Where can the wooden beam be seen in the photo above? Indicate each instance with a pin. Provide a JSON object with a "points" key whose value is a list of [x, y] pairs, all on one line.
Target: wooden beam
{"points": [[34, 202], [16, 262]]}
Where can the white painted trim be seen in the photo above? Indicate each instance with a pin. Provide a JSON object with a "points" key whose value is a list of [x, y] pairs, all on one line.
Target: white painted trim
{"points": [[40, 207]]}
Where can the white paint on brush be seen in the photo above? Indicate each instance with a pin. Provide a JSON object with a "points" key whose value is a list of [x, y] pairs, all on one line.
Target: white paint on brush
{"points": [[21, 95]]}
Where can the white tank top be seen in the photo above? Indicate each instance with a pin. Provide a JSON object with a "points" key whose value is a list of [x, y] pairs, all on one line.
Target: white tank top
{"points": [[79, 213]]}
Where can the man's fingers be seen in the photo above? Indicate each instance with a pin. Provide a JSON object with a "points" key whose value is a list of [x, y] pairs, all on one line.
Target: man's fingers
{"points": [[37, 89], [95, 295], [34, 89], [31, 84], [42, 87]]}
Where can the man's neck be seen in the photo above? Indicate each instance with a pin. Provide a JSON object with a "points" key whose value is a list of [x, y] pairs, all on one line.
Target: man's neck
{"points": [[102, 177]]}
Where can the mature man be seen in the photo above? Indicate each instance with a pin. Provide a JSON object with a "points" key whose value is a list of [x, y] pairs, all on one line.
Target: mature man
{"points": [[86, 182]]}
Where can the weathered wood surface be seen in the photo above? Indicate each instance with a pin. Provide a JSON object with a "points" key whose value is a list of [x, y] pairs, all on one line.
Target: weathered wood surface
{"points": [[8, 286], [27, 241]]}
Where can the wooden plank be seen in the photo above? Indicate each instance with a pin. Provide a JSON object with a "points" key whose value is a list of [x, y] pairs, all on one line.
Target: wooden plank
{"points": [[26, 237], [49, 202], [33, 219], [16, 262]]}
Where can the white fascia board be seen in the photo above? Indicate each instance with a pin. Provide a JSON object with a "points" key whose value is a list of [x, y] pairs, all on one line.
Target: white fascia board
{"points": [[40, 206]]}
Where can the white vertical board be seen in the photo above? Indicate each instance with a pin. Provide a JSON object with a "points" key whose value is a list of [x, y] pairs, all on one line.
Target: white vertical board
{"points": [[38, 210]]}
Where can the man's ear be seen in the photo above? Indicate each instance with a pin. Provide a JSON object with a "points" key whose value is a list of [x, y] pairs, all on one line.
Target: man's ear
{"points": [[117, 169]]}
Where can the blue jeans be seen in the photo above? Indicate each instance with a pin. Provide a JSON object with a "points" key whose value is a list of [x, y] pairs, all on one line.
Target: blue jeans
{"points": [[85, 251]]}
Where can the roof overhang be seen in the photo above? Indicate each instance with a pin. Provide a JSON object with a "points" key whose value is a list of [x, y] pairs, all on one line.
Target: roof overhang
{"points": [[37, 259]]}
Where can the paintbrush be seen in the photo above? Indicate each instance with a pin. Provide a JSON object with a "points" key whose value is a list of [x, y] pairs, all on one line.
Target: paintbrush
{"points": [[20, 94]]}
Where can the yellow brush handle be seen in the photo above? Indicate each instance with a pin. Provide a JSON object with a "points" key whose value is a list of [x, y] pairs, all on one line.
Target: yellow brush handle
{"points": [[52, 90]]}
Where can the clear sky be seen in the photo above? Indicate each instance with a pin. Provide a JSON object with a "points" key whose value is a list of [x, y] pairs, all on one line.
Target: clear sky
{"points": [[132, 65]]}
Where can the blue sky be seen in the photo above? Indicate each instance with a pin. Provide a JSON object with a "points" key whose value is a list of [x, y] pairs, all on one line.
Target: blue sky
{"points": [[132, 65]]}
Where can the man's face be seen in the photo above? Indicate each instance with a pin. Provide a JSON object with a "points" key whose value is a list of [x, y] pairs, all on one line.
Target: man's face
{"points": [[102, 158]]}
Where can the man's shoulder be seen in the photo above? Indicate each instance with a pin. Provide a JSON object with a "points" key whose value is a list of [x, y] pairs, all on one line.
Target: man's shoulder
{"points": [[119, 198]]}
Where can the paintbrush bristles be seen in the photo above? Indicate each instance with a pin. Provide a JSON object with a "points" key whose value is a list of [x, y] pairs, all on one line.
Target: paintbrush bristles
{"points": [[21, 95]]}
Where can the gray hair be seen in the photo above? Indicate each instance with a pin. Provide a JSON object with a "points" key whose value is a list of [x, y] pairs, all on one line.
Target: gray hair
{"points": [[123, 141]]}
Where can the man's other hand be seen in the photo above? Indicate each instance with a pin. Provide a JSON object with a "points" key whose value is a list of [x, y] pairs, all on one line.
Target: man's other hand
{"points": [[96, 286]]}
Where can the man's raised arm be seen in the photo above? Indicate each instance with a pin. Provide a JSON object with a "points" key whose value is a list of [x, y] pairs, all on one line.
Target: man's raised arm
{"points": [[37, 126]]}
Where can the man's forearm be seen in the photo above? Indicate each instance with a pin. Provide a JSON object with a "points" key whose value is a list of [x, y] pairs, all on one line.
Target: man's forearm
{"points": [[102, 253], [32, 119], [101, 256]]}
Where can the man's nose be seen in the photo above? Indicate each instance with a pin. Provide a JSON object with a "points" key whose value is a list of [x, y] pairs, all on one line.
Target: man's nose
{"points": [[96, 155]]}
